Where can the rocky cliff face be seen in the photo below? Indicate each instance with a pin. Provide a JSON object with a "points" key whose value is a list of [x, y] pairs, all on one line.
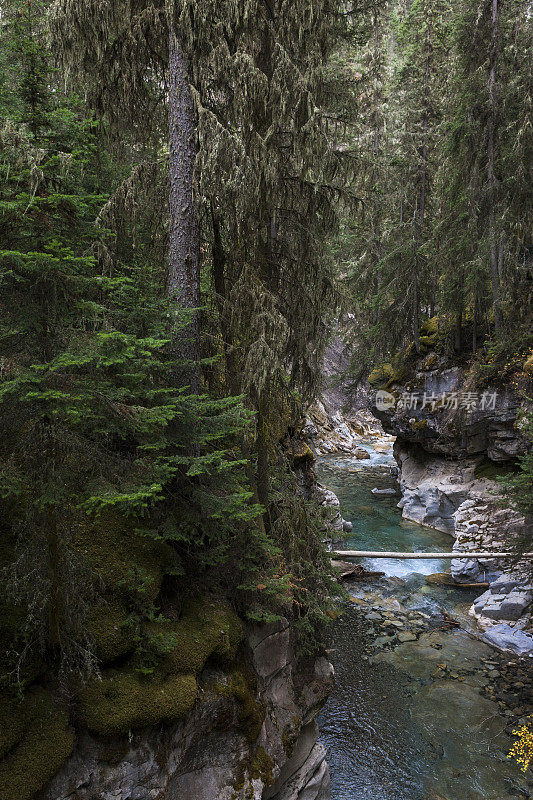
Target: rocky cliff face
{"points": [[464, 424], [337, 420], [451, 445], [251, 735]]}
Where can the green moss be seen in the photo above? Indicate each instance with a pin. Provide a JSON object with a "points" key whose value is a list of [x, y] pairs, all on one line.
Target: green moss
{"points": [[250, 712], [261, 767], [435, 334], [112, 636], [381, 375], [301, 452], [528, 366], [431, 361], [288, 740], [430, 327], [207, 628], [125, 562], [121, 701], [428, 342], [37, 739], [384, 376], [419, 425]]}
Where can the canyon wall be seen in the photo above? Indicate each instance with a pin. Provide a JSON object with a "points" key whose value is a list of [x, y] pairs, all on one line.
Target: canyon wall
{"points": [[251, 735]]}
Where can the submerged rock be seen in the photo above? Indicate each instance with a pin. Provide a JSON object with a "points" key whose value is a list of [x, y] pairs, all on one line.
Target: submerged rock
{"points": [[406, 636]]}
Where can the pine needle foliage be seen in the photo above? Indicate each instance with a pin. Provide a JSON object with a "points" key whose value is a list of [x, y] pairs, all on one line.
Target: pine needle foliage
{"points": [[269, 177], [446, 86], [93, 424]]}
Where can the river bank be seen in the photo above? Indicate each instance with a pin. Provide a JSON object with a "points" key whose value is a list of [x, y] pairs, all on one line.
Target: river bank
{"points": [[422, 710]]}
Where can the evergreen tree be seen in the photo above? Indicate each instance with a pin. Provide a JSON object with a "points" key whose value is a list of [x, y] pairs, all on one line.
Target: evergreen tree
{"points": [[454, 217], [95, 435], [262, 145], [484, 243]]}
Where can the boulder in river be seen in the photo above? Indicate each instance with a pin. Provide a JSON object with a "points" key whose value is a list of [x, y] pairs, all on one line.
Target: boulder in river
{"points": [[507, 638], [361, 454]]}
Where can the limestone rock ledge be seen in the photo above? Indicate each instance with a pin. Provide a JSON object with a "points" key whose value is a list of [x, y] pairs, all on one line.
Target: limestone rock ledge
{"points": [[449, 496], [329, 431], [251, 735], [448, 464]]}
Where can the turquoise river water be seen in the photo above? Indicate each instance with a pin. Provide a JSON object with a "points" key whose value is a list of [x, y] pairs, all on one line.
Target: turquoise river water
{"points": [[395, 727]]}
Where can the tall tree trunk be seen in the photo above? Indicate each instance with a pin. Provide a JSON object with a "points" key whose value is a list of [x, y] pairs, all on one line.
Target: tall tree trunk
{"points": [[474, 322], [422, 196], [263, 465], [184, 232], [458, 325], [375, 173], [55, 610], [491, 133]]}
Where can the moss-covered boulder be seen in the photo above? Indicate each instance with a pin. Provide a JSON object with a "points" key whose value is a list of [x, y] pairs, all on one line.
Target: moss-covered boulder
{"points": [[207, 627], [430, 327], [35, 740], [381, 375], [124, 562], [111, 631], [384, 376], [122, 700], [300, 453], [435, 333]]}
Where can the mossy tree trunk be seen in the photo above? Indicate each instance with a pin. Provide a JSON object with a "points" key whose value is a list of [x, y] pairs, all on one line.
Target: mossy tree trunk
{"points": [[184, 228], [495, 257]]}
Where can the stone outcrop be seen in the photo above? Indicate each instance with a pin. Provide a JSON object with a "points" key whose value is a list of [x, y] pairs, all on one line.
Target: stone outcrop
{"points": [[329, 431], [448, 496], [251, 735], [329, 500], [433, 488], [482, 424], [448, 460], [336, 421]]}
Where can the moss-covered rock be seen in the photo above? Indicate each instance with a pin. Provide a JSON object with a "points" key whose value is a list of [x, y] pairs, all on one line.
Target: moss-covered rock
{"points": [[384, 376], [250, 712], [381, 375], [428, 342], [419, 425], [125, 562], [528, 366], [35, 741], [111, 632], [431, 362], [206, 628], [430, 327], [300, 453], [121, 701], [262, 766]]}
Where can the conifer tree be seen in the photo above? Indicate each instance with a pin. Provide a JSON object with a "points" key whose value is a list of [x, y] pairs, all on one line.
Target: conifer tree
{"points": [[484, 209], [266, 173], [95, 434]]}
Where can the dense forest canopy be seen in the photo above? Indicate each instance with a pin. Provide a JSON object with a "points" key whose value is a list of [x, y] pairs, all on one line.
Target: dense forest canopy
{"points": [[192, 194]]}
